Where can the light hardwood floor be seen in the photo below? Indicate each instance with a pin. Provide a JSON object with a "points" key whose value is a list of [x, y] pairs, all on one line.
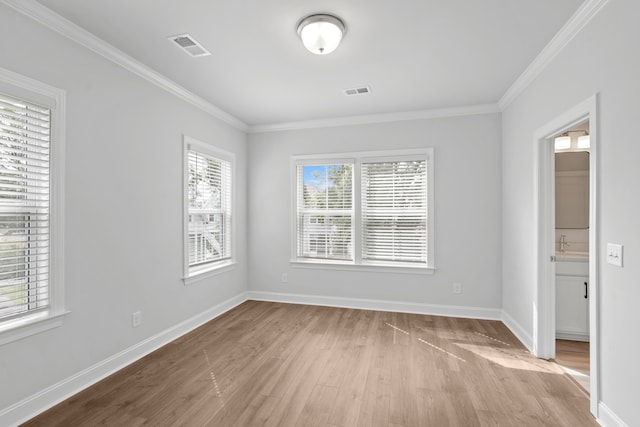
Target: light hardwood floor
{"points": [[573, 356], [278, 364]]}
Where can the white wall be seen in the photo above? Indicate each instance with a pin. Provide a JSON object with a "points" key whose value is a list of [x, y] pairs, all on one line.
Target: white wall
{"points": [[123, 209], [602, 59], [467, 215]]}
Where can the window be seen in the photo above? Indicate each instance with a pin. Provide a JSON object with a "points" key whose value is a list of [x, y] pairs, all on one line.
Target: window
{"points": [[31, 288], [208, 207], [394, 211], [367, 209], [325, 211]]}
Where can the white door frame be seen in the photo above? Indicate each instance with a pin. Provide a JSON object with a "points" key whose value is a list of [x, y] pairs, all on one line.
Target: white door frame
{"points": [[544, 320]]}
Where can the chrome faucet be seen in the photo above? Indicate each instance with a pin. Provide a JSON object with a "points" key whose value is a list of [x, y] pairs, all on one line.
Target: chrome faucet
{"points": [[563, 242]]}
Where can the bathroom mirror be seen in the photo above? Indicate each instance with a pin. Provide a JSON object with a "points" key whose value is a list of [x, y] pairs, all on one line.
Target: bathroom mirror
{"points": [[572, 190]]}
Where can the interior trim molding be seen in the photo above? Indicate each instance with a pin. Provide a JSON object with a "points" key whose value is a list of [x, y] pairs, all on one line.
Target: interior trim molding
{"points": [[436, 113], [572, 336], [573, 26], [31, 406], [607, 418], [544, 306], [378, 305], [52, 20], [517, 329]]}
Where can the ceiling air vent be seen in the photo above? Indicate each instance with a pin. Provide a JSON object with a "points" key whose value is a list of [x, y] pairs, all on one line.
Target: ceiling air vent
{"points": [[357, 91], [189, 45]]}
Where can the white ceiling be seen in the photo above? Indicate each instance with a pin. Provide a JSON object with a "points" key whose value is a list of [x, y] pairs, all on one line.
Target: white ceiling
{"points": [[414, 54]]}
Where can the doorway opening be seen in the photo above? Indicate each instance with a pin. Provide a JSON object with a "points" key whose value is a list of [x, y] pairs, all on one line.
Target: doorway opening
{"points": [[571, 188], [566, 252]]}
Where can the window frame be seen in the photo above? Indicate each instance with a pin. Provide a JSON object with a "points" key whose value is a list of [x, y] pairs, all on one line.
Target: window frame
{"points": [[328, 212], [36, 92], [212, 268], [358, 158]]}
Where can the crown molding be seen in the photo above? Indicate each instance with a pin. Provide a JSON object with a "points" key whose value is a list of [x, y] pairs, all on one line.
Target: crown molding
{"points": [[469, 110], [52, 20], [573, 26]]}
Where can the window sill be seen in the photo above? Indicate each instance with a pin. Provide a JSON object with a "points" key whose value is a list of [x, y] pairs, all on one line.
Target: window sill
{"points": [[209, 272], [369, 268], [29, 325]]}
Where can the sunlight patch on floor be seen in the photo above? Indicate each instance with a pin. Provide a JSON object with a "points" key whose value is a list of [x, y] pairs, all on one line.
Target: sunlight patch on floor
{"points": [[212, 375], [582, 379], [492, 339], [511, 358], [396, 328], [441, 349]]}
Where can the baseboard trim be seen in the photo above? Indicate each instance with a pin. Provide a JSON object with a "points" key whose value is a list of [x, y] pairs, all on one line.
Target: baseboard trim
{"points": [[379, 305], [572, 336], [30, 407], [521, 333], [607, 418]]}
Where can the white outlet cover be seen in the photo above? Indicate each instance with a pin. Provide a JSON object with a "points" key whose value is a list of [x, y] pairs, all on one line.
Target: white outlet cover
{"points": [[136, 319]]}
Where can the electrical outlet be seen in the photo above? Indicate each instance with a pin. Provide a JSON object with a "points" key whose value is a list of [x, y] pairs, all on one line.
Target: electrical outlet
{"points": [[285, 278], [457, 288], [136, 319]]}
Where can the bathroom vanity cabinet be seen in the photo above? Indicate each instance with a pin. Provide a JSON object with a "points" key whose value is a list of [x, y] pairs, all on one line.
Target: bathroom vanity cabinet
{"points": [[572, 299]]}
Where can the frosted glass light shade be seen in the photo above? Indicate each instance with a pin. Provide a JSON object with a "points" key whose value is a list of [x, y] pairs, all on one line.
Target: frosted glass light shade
{"points": [[584, 141], [563, 142], [321, 34]]}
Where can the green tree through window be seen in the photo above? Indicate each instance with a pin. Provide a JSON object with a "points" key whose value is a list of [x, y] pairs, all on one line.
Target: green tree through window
{"points": [[325, 213]]}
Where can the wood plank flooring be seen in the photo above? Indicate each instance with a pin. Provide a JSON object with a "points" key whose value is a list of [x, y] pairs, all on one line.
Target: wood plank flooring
{"points": [[573, 357], [272, 364]]}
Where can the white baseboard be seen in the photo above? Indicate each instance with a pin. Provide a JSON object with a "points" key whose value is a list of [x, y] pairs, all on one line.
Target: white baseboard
{"points": [[521, 333], [379, 305], [45, 399], [572, 336], [607, 418]]}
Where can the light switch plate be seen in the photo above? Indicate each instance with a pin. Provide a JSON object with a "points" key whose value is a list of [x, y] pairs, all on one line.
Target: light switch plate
{"points": [[614, 254]]}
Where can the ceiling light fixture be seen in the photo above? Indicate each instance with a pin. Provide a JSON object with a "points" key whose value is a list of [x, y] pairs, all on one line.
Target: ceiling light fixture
{"points": [[321, 34]]}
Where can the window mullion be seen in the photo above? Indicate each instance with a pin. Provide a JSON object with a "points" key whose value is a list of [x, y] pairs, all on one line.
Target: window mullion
{"points": [[32, 285], [357, 212]]}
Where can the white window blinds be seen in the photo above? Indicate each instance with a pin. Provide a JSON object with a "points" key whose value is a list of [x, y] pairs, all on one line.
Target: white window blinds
{"points": [[24, 207], [394, 211], [325, 211], [209, 209]]}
